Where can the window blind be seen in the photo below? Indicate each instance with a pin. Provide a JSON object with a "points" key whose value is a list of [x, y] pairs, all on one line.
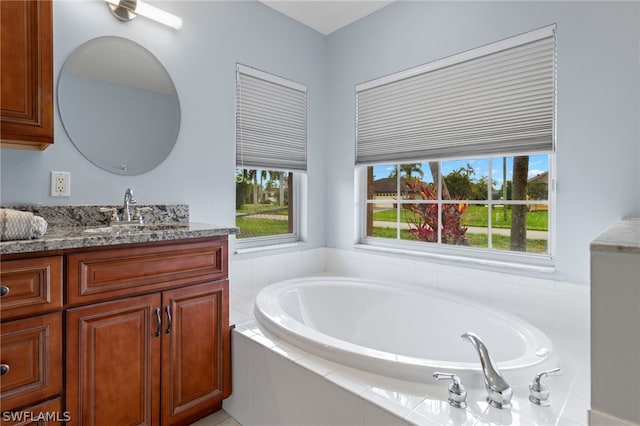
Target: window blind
{"points": [[499, 98], [271, 121]]}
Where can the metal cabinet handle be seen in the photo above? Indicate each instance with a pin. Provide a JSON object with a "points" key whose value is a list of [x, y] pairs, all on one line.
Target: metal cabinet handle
{"points": [[167, 309], [158, 322], [4, 290], [4, 369]]}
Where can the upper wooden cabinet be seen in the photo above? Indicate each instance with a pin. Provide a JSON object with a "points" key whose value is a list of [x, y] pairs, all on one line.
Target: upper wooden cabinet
{"points": [[26, 67]]}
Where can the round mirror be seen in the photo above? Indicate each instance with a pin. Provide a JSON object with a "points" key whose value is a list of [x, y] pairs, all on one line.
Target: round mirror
{"points": [[118, 105]]}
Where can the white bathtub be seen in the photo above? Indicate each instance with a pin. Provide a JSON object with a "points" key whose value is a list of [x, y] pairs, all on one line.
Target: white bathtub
{"points": [[400, 331]]}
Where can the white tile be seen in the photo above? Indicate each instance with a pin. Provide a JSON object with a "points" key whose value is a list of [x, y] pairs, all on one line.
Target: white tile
{"points": [[394, 401], [538, 306], [344, 263], [260, 272], [540, 283], [393, 269], [370, 265], [342, 407], [239, 402], [286, 387], [314, 262], [562, 421], [315, 364], [352, 380], [240, 277], [238, 317], [288, 351], [426, 274], [450, 281], [506, 296], [284, 266], [240, 302], [576, 410], [437, 412]]}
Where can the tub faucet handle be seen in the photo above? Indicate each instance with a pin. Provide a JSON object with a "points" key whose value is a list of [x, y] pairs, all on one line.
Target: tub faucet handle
{"points": [[457, 393], [539, 391]]}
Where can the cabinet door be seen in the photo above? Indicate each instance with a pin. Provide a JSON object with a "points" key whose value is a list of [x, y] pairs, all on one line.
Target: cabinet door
{"points": [[26, 63], [31, 356], [196, 373], [113, 360]]}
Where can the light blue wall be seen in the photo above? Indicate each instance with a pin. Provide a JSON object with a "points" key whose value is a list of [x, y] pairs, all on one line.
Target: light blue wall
{"points": [[201, 59], [598, 102]]}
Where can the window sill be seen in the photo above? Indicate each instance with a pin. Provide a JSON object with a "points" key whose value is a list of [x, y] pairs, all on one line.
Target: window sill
{"points": [[271, 247], [492, 261]]}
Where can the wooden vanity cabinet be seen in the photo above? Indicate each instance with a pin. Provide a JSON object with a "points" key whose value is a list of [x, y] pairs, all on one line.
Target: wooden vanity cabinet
{"points": [[31, 334], [160, 357], [26, 70]]}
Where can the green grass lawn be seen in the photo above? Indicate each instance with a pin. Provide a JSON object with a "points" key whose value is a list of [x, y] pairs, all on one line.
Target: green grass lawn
{"points": [[250, 208], [258, 227], [477, 216], [499, 242]]}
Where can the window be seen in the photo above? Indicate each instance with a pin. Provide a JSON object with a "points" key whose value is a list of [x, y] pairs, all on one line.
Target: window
{"points": [[264, 203], [271, 156], [452, 203], [458, 153]]}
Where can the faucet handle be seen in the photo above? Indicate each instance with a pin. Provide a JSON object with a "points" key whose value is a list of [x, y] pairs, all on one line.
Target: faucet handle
{"points": [[114, 213], [539, 391], [457, 392], [137, 215]]}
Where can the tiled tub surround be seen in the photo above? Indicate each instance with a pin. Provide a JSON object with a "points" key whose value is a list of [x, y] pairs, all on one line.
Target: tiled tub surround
{"points": [[277, 383], [68, 225]]}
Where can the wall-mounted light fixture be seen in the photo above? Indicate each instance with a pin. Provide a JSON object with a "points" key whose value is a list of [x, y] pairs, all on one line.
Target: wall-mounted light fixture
{"points": [[126, 10]]}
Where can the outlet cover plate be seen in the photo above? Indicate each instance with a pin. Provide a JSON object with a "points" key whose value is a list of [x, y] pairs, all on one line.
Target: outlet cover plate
{"points": [[60, 184]]}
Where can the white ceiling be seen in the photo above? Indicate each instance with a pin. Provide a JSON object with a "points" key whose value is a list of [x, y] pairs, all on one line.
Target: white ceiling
{"points": [[326, 16]]}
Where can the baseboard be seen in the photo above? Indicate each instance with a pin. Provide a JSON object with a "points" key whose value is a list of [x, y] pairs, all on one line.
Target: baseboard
{"points": [[598, 418]]}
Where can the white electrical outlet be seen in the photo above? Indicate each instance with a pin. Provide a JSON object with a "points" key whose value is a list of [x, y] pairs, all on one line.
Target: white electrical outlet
{"points": [[60, 184]]}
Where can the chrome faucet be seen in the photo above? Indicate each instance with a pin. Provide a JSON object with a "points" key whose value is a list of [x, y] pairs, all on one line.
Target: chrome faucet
{"points": [[499, 391], [128, 200]]}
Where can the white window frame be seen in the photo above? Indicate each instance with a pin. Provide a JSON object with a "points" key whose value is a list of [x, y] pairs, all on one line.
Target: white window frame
{"points": [[533, 262], [247, 245]]}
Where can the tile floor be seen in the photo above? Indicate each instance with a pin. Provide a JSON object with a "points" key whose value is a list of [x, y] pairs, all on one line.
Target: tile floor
{"points": [[219, 418]]}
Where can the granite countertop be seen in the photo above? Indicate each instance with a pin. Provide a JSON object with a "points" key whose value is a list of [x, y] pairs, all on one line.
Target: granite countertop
{"points": [[162, 223], [623, 237], [58, 238]]}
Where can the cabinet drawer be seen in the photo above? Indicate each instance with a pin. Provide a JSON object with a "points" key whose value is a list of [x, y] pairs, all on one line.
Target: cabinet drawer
{"points": [[30, 286], [31, 354], [101, 275]]}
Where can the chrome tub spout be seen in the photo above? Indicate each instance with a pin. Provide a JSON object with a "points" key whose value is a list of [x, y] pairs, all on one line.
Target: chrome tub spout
{"points": [[499, 391]]}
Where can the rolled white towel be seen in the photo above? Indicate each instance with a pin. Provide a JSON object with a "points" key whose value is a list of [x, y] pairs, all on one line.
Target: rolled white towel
{"points": [[17, 225]]}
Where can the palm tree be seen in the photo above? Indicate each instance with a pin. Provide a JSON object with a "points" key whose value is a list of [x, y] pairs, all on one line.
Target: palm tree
{"points": [[408, 170], [519, 212]]}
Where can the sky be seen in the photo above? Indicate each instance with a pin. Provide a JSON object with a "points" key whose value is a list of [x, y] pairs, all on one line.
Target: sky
{"points": [[537, 164]]}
